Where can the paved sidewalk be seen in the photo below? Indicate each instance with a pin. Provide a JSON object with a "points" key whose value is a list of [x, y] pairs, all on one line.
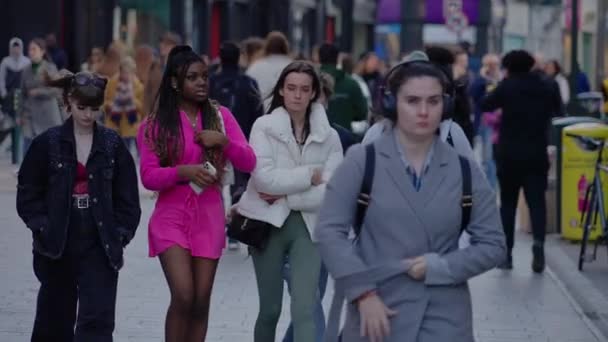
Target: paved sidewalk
{"points": [[508, 306]]}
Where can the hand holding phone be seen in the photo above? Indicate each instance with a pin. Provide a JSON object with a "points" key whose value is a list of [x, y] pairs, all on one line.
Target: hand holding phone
{"points": [[209, 170], [199, 176]]}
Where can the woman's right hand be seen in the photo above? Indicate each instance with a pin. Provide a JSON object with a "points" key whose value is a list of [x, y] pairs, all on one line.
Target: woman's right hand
{"points": [[270, 199], [375, 316], [196, 174]]}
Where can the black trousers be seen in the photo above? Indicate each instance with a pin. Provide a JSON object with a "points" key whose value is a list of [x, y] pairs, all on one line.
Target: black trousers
{"points": [[534, 182], [82, 278]]}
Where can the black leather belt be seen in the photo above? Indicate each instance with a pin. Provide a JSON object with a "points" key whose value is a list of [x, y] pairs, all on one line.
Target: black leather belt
{"points": [[81, 201]]}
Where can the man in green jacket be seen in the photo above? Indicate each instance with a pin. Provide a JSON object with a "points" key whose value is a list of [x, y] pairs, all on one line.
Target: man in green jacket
{"points": [[348, 103]]}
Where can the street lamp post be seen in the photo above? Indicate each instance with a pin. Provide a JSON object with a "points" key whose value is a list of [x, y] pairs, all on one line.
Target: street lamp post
{"points": [[601, 40], [346, 37], [412, 23], [573, 106], [176, 19], [485, 18]]}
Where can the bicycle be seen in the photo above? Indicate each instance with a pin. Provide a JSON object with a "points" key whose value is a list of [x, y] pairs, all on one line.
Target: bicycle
{"points": [[594, 201]]}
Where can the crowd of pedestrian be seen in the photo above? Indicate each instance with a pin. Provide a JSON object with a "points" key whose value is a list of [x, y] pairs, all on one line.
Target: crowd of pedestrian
{"points": [[263, 143]]}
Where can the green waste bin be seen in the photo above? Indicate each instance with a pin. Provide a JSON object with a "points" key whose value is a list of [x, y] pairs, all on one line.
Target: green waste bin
{"points": [[557, 125]]}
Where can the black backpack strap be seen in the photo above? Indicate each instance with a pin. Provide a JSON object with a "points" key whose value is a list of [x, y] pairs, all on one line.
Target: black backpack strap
{"points": [[366, 188], [449, 139], [467, 193]]}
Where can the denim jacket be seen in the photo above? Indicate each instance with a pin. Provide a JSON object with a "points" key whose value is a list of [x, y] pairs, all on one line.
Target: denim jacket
{"points": [[46, 180]]}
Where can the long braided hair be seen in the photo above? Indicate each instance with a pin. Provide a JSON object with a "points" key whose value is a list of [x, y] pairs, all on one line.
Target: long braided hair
{"points": [[163, 130]]}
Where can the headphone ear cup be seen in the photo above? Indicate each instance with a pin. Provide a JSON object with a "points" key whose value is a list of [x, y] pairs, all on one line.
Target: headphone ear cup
{"points": [[389, 105], [448, 107]]}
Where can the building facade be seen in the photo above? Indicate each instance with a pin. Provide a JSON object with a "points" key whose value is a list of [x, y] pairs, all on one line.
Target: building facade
{"points": [[78, 25], [83, 24]]}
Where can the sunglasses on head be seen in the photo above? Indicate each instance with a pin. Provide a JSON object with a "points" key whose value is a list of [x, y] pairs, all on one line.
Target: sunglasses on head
{"points": [[85, 80]]}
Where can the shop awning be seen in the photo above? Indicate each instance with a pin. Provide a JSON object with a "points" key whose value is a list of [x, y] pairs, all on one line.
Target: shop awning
{"points": [[389, 11]]}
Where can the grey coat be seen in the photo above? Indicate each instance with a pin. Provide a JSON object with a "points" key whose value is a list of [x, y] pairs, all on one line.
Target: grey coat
{"points": [[402, 223], [42, 111]]}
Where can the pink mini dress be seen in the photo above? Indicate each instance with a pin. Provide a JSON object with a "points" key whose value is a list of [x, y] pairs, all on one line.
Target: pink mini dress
{"points": [[181, 217]]}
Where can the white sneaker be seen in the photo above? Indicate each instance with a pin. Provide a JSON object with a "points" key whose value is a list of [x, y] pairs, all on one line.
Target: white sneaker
{"points": [[233, 246]]}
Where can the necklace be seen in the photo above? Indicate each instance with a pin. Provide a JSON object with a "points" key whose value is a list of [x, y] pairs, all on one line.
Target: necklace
{"points": [[193, 123], [303, 135]]}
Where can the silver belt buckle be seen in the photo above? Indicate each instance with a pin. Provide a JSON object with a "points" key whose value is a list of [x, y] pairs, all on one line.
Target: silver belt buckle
{"points": [[82, 202]]}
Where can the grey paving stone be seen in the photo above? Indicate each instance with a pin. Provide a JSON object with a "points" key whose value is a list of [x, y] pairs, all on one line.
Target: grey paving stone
{"points": [[516, 306]]}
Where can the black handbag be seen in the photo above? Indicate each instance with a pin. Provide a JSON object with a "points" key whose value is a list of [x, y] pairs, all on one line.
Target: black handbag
{"points": [[251, 232]]}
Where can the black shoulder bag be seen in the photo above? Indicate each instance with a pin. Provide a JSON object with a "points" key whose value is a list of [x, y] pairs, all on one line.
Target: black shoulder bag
{"points": [[251, 232]]}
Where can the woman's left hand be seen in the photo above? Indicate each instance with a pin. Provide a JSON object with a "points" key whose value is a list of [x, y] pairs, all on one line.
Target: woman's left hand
{"points": [[207, 138], [418, 268]]}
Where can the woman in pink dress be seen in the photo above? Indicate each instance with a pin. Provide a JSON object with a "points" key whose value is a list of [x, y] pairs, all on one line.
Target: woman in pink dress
{"points": [[186, 229]]}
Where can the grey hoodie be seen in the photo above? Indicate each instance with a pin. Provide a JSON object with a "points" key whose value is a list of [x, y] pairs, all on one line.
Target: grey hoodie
{"points": [[13, 63]]}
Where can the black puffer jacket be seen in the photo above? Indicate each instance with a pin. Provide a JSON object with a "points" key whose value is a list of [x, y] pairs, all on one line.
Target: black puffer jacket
{"points": [[528, 102]]}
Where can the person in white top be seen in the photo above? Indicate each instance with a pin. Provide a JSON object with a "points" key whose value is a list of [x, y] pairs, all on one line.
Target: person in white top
{"points": [[267, 69], [297, 152], [553, 69]]}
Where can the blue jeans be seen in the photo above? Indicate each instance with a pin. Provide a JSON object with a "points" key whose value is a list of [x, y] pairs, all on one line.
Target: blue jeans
{"points": [[319, 314]]}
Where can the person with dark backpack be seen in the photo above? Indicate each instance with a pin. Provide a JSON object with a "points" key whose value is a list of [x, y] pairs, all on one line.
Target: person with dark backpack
{"points": [[231, 88], [235, 90], [405, 277]]}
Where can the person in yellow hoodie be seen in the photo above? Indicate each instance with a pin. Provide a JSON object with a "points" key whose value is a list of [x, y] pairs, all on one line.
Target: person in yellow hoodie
{"points": [[124, 102]]}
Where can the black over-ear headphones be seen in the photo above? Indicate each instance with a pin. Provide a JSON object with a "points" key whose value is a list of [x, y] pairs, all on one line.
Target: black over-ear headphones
{"points": [[388, 100]]}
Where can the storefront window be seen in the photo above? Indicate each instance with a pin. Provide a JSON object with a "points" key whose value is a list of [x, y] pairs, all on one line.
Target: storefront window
{"points": [[147, 21]]}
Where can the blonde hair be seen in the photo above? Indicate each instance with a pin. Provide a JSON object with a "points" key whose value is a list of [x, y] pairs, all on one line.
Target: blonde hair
{"points": [[128, 64]]}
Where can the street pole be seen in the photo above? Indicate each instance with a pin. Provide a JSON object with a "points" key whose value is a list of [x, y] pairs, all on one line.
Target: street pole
{"points": [[573, 107], [203, 9], [601, 41], [176, 16], [320, 21], [412, 23], [346, 37], [531, 35], [484, 22]]}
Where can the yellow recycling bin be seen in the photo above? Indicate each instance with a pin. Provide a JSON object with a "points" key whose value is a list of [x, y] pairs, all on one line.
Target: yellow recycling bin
{"points": [[578, 172]]}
